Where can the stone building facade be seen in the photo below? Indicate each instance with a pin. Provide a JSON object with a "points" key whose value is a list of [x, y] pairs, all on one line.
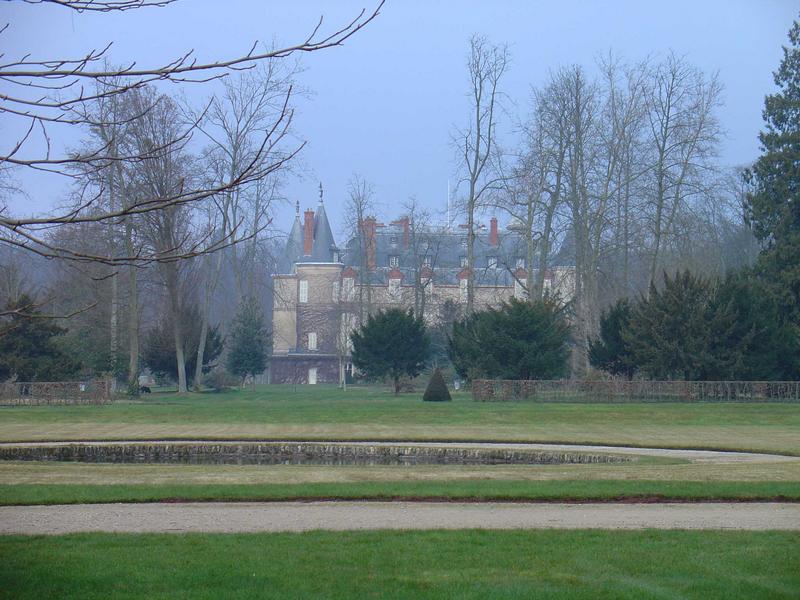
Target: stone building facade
{"points": [[323, 291]]}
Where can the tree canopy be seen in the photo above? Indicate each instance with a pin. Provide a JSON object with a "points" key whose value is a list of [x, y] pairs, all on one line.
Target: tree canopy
{"points": [[248, 341], [699, 329], [28, 348], [519, 340], [393, 344], [609, 351], [773, 205]]}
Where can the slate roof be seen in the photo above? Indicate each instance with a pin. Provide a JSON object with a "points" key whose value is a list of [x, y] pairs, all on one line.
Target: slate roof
{"points": [[446, 249], [494, 265]]}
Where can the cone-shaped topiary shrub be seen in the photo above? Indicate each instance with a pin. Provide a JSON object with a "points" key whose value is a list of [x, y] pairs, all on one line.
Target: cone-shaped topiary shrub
{"points": [[437, 389]]}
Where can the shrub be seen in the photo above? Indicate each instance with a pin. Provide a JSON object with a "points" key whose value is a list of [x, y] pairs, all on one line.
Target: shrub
{"points": [[220, 380], [437, 389]]}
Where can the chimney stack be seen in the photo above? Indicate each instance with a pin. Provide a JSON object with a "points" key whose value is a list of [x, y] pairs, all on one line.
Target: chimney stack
{"points": [[368, 229], [405, 223], [308, 232], [493, 238]]}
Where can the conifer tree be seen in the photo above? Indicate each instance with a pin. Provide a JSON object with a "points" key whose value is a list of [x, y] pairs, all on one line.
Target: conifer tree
{"points": [[610, 352], [774, 204], [392, 343], [28, 348], [437, 389], [248, 345], [518, 340], [680, 332]]}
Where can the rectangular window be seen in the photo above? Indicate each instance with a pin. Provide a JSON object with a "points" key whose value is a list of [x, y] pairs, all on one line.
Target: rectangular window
{"points": [[492, 262], [312, 341], [462, 290], [335, 291], [346, 328], [463, 261], [394, 289], [520, 293], [303, 290], [349, 289], [394, 261]]}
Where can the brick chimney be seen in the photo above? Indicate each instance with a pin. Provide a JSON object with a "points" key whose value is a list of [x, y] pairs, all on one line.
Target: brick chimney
{"points": [[368, 228], [308, 232], [493, 239], [405, 223]]}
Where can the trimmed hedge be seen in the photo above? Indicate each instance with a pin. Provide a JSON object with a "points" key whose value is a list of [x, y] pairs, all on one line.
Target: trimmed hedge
{"points": [[437, 389]]}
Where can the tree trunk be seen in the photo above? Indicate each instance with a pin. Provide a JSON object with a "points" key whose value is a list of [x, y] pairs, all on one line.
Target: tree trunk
{"points": [[133, 315], [173, 292]]}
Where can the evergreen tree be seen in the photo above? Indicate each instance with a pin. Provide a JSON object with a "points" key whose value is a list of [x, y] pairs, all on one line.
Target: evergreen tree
{"points": [[767, 349], [158, 348], [774, 204], [680, 332], [437, 389], [519, 340], [392, 343], [28, 346], [248, 346], [610, 352]]}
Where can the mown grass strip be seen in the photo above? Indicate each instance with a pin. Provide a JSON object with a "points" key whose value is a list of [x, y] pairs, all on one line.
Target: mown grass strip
{"points": [[470, 564], [568, 490]]}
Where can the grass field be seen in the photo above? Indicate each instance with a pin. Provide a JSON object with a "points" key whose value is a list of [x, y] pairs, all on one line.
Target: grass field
{"points": [[320, 412], [62, 483], [428, 564]]}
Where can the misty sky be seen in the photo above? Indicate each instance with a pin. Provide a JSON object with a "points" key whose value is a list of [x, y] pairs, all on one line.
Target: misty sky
{"points": [[384, 106]]}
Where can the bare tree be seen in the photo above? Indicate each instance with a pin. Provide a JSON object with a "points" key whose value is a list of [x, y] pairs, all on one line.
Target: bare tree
{"points": [[50, 94], [360, 229], [683, 134], [234, 125], [476, 144], [422, 252]]}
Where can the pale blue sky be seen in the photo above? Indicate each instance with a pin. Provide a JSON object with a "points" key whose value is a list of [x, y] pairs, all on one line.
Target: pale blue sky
{"points": [[385, 104]]}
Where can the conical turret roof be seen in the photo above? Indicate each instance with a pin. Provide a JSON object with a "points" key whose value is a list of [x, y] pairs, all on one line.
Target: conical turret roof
{"points": [[324, 244], [294, 243]]}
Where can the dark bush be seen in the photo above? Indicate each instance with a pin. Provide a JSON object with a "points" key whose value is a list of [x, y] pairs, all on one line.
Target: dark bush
{"points": [[437, 389]]}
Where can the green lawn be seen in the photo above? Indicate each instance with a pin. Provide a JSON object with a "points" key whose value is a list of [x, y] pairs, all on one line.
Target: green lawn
{"points": [[597, 490], [321, 412], [427, 564], [57, 483]]}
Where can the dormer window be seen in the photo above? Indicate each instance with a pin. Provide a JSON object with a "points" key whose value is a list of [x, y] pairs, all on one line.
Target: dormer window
{"points": [[393, 240], [520, 263], [426, 261], [463, 261], [394, 261], [349, 289], [492, 262]]}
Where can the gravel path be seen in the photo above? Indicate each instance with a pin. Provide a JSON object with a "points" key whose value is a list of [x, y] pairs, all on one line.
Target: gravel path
{"points": [[223, 517]]}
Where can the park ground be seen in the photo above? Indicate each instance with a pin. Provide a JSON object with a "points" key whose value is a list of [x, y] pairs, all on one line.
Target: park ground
{"points": [[548, 564]]}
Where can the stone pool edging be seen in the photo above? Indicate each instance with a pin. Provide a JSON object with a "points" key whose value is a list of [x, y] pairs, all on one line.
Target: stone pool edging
{"points": [[319, 453]]}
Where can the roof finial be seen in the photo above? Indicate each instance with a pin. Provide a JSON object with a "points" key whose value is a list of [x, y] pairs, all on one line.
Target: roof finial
{"points": [[297, 208], [320, 192]]}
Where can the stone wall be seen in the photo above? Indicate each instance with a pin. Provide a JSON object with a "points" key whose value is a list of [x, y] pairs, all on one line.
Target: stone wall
{"points": [[294, 453]]}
